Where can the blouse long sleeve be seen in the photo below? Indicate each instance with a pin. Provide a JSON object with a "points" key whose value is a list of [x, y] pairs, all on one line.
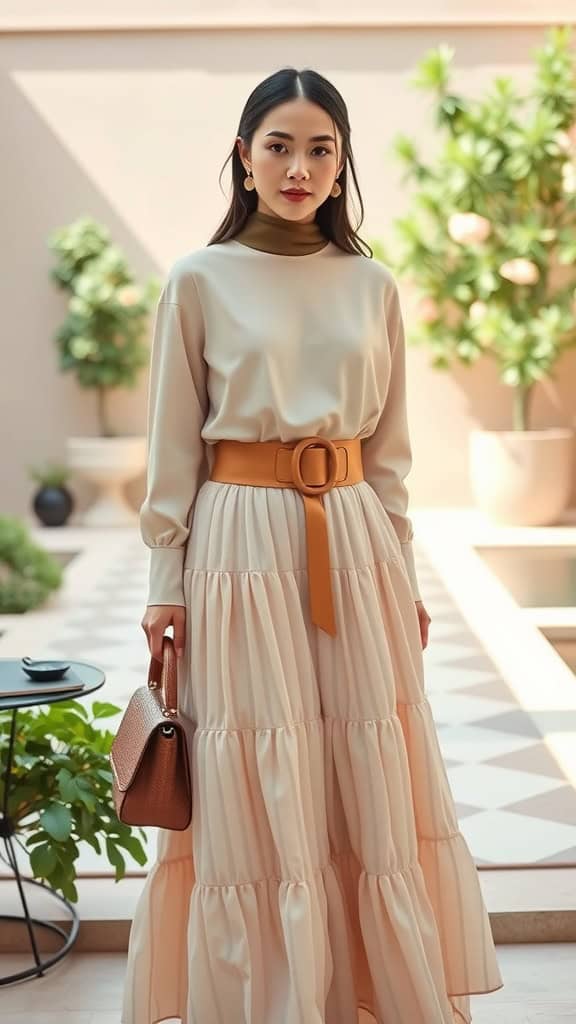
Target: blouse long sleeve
{"points": [[387, 453], [177, 409]]}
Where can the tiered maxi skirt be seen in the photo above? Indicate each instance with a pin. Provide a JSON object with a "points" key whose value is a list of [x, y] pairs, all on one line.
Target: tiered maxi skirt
{"points": [[323, 870]]}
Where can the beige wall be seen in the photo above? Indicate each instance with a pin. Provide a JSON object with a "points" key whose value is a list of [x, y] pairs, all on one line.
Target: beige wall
{"points": [[133, 126]]}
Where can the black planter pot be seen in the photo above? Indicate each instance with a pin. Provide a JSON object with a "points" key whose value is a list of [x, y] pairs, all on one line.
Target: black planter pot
{"points": [[53, 505]]}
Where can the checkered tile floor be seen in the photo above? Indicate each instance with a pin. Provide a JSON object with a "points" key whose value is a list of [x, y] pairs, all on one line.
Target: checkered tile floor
{"points": [[513, 801]]}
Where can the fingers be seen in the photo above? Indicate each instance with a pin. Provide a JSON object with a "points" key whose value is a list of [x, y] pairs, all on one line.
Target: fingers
{"points": [[154, 623], [179, 620], [155, 634]]}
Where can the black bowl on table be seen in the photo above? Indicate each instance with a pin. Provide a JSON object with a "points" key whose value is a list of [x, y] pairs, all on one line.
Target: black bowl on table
{"points": [[44, 670]]}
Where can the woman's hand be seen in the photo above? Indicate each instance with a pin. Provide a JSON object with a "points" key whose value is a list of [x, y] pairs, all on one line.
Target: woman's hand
{"points": [[424, 621], [154, 622]]}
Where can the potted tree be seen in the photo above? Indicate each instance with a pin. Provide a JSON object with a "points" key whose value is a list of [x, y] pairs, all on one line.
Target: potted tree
{"points": [[491, 247], [101, 341]]}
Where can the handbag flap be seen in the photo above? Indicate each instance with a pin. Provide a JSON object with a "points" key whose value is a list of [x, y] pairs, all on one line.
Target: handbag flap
{"points": [[142, 717]]}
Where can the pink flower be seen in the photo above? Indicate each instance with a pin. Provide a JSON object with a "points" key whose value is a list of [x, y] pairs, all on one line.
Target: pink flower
{"points": [[520, 271], [477, 310], [467, 228]]}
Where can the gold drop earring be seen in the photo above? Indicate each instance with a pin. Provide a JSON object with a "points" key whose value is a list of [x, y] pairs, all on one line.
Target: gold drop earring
{"points": [[335, 191]]}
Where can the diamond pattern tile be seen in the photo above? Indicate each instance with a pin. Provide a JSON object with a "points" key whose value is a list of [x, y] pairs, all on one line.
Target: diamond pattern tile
{"points": [[516, 721], [472, 743], [490, 787], [521, 839], [558, 804], [514, 801], [459, 708], [494, 689], [536, 759]]}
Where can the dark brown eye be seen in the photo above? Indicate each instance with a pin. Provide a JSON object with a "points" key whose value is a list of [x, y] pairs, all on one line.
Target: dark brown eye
{"points": [[323, 148]]}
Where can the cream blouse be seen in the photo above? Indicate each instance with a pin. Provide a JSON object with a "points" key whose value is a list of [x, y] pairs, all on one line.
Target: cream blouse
{"points": [[258, 346]]}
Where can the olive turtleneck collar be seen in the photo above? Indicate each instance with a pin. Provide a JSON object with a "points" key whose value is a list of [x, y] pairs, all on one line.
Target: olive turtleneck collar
{"points": [[271, 233]]}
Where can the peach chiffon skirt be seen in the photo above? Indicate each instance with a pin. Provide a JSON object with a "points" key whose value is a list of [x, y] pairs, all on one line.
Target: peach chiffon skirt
{"points": [[324, 870]]}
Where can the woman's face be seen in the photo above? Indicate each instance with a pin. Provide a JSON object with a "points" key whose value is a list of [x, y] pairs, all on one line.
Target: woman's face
{"points": [[294, 147]]}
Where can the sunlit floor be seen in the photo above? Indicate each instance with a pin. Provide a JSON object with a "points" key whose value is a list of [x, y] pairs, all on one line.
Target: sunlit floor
{"points": [[86, 988]]}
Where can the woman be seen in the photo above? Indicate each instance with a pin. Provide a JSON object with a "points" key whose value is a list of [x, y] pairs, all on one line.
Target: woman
{"points": [[324, 870]]}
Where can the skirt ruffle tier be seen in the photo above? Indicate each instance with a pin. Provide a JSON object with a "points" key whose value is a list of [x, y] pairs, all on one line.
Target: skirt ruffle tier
{"points": [[323, 870]]}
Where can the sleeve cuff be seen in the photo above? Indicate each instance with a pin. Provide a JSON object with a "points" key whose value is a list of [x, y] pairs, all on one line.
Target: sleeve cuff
{"points": [[408, 556], [166, 583]]}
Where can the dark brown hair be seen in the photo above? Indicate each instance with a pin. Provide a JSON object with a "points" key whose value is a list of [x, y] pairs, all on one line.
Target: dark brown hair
{"points": [[332, 216]]}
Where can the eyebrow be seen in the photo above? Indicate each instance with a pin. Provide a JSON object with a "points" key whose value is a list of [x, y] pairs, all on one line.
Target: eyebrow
{"points": [[313, 138]]}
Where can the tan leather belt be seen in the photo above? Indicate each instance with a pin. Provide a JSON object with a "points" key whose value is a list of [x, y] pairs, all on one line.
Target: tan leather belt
{"points": [[312, 465]]}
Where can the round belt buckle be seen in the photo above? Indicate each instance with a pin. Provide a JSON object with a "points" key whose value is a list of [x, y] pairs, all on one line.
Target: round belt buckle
{"points": [[309, 442]]}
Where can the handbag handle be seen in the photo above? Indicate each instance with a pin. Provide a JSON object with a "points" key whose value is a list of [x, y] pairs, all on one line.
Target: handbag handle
{"points": [[164, 674]]}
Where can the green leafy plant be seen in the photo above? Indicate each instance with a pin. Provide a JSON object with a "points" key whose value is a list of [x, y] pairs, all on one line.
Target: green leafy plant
{"points": [[101, 337], [52, 474], [61, 791], [490, 240], [28, 573]]}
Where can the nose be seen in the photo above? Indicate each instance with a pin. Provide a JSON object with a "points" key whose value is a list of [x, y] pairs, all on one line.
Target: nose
{"points": [[298, 170]]}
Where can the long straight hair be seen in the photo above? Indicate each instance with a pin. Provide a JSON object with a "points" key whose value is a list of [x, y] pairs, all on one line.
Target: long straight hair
{"points": [[332, 216]]}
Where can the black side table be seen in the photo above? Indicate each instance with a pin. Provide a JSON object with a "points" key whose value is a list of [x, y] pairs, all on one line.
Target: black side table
{"points": [[13, 676]]}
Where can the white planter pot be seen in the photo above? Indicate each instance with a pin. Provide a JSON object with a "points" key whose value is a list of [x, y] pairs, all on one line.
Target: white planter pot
{"points": [[522, 477], [109, 463]]}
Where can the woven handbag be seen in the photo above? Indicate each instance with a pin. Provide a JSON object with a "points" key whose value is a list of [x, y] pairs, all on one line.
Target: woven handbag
{"points": [[152, 782]]}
